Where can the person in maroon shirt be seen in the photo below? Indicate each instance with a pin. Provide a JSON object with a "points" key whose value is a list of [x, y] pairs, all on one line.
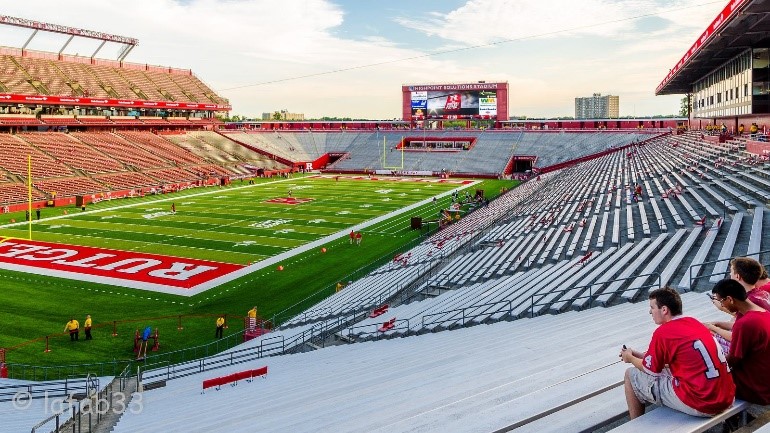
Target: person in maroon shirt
{"points": [[749, 273], [750, 346]]}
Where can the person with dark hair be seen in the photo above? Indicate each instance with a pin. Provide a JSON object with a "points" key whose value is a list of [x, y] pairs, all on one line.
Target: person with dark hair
{"points": [[748, 273], [671, 372], [749, 353], [763, 283]]}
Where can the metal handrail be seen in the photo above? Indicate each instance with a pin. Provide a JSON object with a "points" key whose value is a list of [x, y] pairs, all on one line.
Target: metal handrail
{"points": [[692, 278], [589, 286], [397, 326], [464, 316]]}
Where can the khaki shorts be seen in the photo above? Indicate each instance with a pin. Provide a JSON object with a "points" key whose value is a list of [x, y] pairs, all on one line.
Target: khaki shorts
{"points": [[659, 389]]}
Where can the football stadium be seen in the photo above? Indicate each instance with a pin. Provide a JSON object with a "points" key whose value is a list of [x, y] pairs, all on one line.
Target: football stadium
{"points": [[457, 269]]}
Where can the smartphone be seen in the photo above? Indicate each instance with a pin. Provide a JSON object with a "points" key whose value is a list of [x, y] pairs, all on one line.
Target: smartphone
{"points": [[710, 296]]}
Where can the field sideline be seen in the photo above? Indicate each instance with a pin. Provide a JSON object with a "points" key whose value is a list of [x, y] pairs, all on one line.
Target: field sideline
{"points": [[233, 225]]}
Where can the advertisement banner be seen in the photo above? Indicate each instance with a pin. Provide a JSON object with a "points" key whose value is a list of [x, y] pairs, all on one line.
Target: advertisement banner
{"points": [[67, 100]]}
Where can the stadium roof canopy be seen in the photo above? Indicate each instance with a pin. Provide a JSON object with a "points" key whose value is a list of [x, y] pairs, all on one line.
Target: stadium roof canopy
{"points": [[742, 24], [36, 26]]}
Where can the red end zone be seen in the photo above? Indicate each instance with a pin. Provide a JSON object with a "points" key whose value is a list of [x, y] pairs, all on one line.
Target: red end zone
{"points": [[124, 268]]}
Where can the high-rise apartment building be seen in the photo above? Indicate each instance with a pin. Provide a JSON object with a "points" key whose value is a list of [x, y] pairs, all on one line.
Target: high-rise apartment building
{"points": [[597, 107]]}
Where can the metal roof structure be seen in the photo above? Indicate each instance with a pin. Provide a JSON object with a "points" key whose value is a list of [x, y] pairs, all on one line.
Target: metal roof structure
{"points": [[127, 43], [742, 24]]}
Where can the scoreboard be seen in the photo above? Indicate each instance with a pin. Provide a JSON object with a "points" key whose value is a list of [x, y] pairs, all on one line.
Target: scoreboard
{"points": [[455, 101]]}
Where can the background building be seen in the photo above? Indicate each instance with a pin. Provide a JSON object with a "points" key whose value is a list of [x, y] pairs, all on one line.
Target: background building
{"points": [[597, 107], [283, 115], [726, 72]]}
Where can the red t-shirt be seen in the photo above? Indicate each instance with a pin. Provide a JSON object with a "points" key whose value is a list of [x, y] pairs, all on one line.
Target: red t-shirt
{"points": [[750, 356], [701, 377], [759, 297]]}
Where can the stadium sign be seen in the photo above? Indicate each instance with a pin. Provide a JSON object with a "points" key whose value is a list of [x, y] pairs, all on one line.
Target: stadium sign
{"points": [[174, 275]]}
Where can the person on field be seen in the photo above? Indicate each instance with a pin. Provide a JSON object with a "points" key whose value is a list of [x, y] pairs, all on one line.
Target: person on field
{"points": [[220, 326], [252, 316], [87, 327], [73, 327]]}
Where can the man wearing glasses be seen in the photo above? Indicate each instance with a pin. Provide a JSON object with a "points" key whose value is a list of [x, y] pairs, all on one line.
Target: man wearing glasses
{"points": [[749, 353]]}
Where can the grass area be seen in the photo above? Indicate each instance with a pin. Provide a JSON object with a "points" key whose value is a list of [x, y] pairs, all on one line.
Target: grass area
{"points": [[232, 225]]}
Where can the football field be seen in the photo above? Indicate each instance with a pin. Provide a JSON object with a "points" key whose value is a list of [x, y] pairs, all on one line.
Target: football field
{"points": [[301, 223]]}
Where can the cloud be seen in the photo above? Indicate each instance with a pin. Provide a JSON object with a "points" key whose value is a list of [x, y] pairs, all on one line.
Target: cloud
{"points": [[239, 46]]}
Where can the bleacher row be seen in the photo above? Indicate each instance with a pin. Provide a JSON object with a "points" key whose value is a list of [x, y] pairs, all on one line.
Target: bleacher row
{"points": [[547, 374], [489, 154], [561, 242], [38, 76], [82, 163], [572, 239]]}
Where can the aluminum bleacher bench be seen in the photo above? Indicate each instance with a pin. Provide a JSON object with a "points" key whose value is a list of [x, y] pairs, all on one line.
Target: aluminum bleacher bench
{"points": [[664, 419], [720, 268], [653, 265], [696, 264], [755, 239], [749, 187], [745, 198]]}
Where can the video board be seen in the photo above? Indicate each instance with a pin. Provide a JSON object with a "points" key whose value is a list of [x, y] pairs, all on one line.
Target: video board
{"points": [[474, 104], [479, 100]]}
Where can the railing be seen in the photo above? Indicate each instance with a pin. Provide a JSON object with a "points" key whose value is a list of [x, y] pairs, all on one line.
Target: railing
{"points": [[463, 313], [44, 373], [56, 388], [95, 404], [591, 296], [692, 278], [166, 367], [163, 367], [374, 329], [287, 313]]}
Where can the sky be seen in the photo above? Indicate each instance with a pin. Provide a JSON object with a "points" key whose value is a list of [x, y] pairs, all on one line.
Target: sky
{"points": [[349, 58]]}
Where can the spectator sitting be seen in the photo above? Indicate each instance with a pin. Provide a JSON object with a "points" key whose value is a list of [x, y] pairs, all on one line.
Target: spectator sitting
{"points": [[749, 353], [747, 272], [671, 372]]}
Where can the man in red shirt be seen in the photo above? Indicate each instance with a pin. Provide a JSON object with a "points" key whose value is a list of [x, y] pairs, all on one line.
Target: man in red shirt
{"points": [[750, 346], [749, 273], [752, 276], [671, 372]]}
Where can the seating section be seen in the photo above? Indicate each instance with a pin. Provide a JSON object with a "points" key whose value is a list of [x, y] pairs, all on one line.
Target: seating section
{"points": [[544, 374], [161, 147], [72, 152], [490, 154], [79, 163], [558, 242], [70, 186], [121, 150], [30, 75], [220, 149], [13, 158]]}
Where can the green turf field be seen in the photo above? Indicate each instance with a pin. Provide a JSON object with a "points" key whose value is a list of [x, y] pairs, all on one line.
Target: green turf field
{"points": [[232, 225]]}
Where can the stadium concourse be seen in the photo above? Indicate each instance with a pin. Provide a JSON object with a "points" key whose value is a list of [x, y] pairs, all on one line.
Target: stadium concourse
{"points": [[522, 271]]}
